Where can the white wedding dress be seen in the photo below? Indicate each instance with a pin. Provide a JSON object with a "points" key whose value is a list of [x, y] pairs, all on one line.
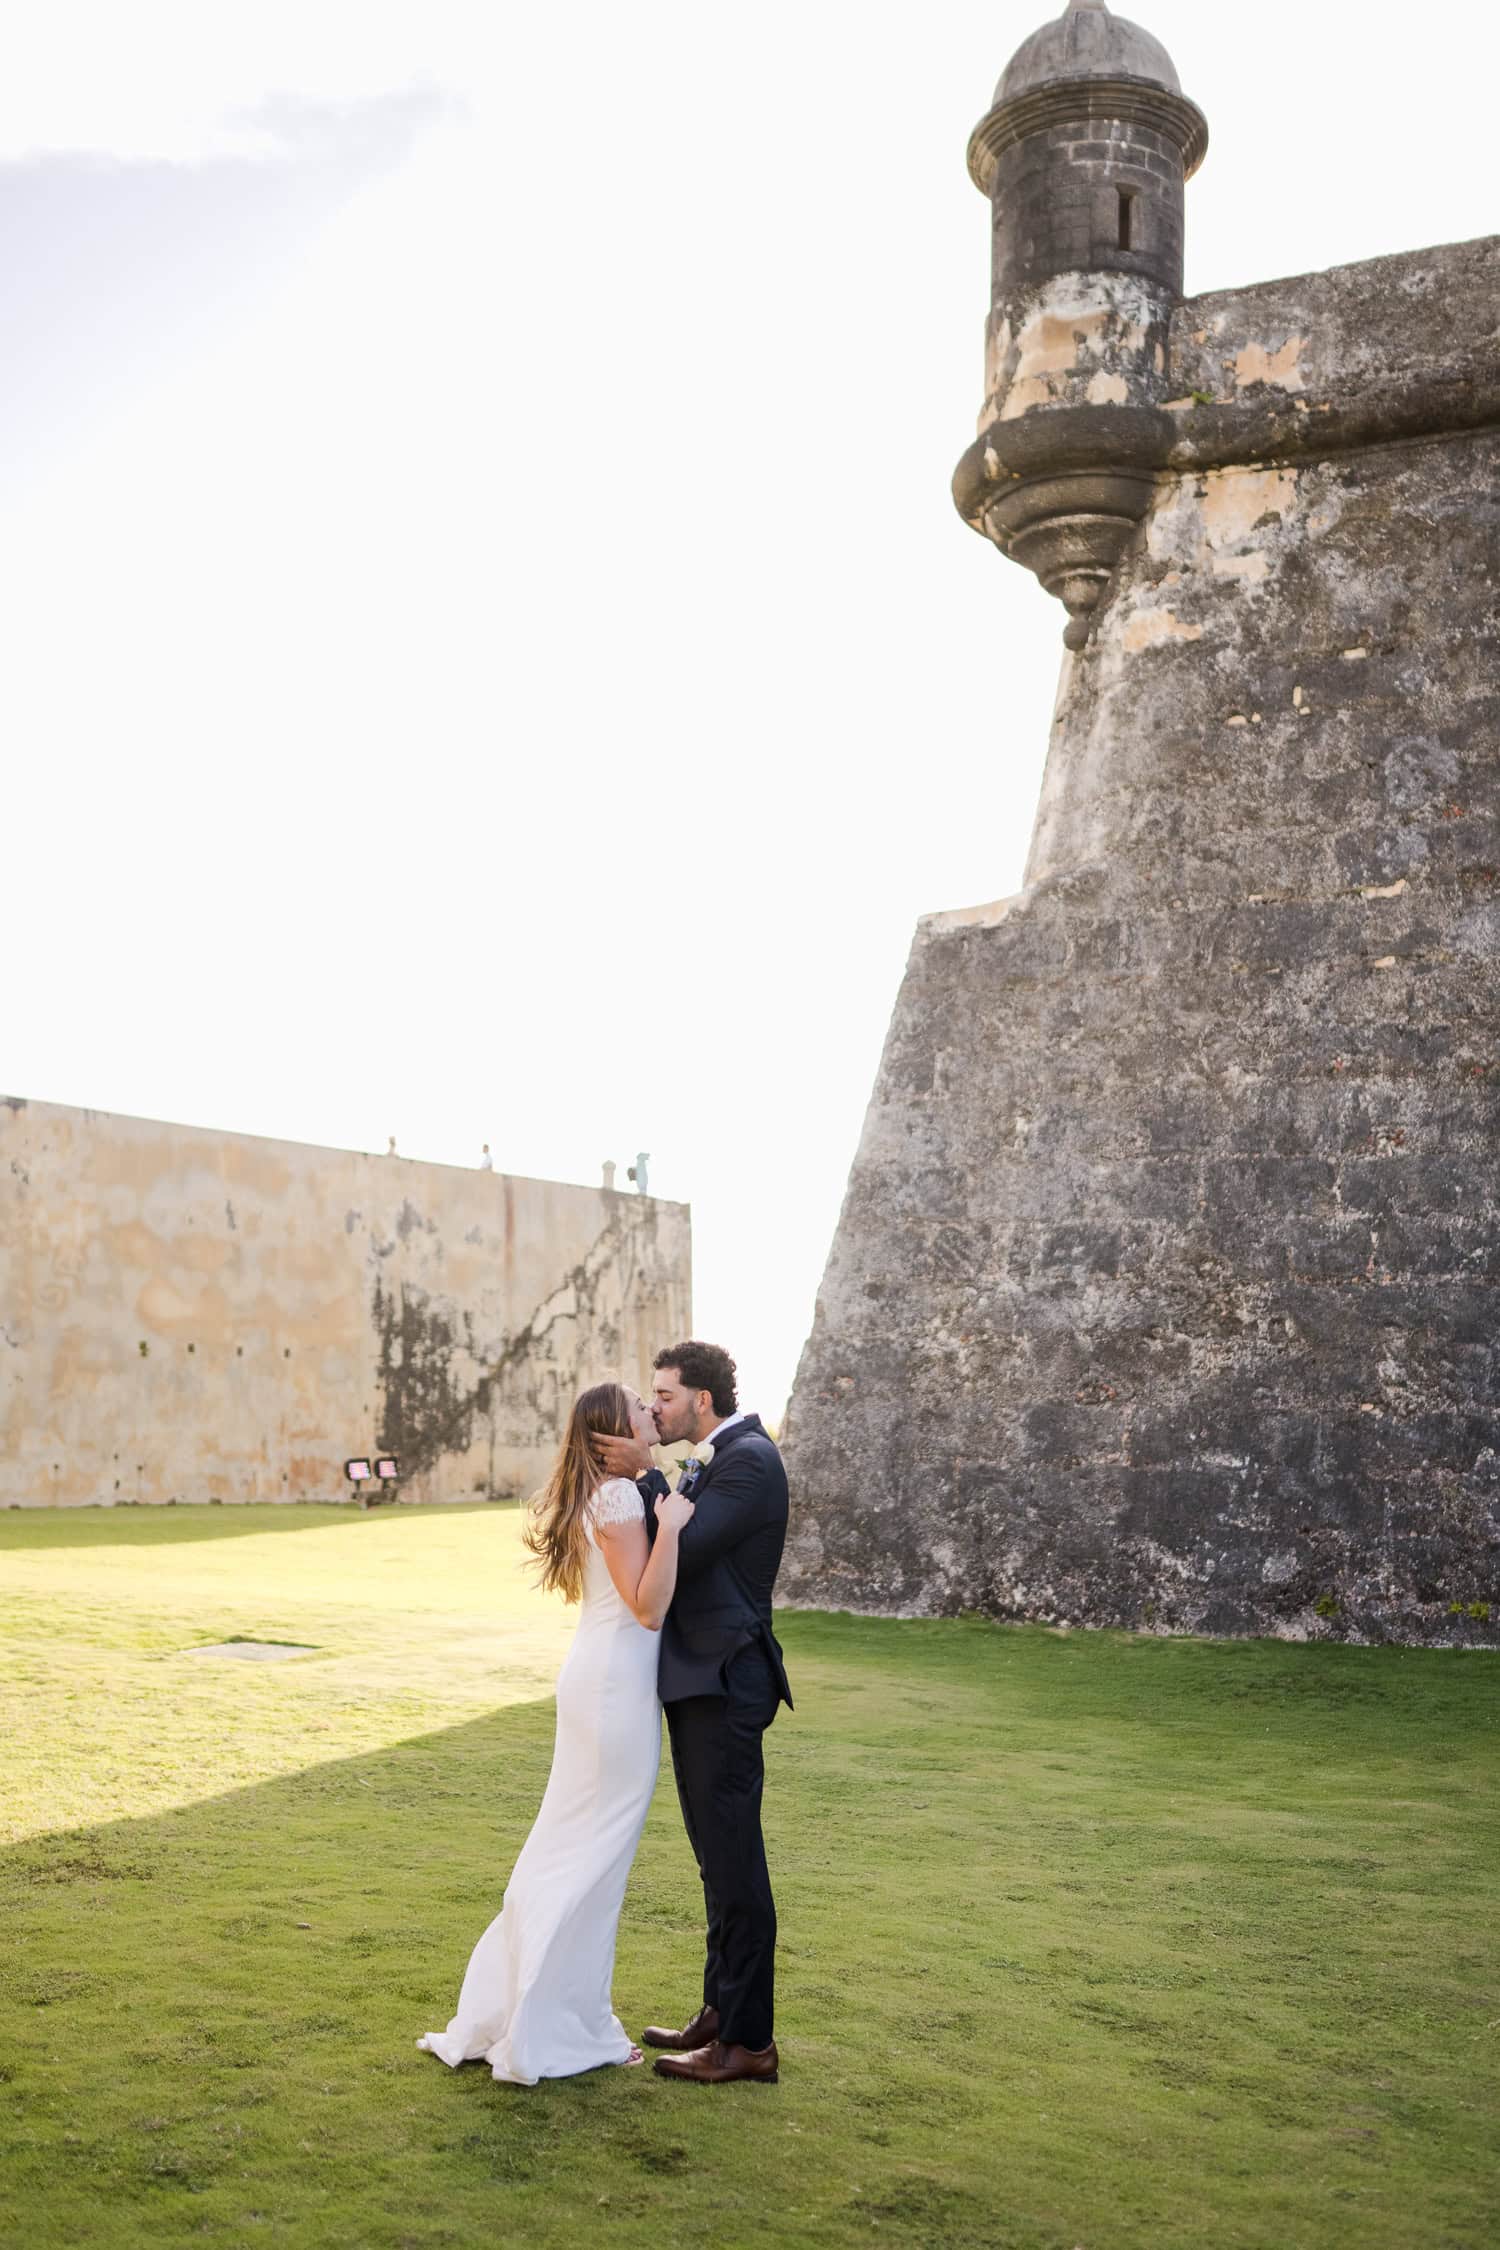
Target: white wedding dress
{"points": [[535, 2001]]}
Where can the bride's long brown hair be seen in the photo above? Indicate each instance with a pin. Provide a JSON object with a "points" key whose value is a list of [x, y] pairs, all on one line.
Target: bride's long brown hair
{"points": [[556, 1533]]}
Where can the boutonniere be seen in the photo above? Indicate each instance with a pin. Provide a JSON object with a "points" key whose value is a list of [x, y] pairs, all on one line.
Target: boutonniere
{"points": [[694, 1466]]}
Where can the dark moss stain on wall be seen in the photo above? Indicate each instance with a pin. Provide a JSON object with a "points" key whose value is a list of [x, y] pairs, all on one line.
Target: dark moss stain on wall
{"points": [[433, 1408], [409, 1221], [422, 1414]]}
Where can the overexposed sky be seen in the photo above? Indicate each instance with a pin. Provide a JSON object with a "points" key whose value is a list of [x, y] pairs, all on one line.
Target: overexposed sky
{"points": [[488, 652]]}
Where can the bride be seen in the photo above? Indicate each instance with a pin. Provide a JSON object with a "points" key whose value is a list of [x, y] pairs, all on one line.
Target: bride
{"points": [[535, 2001]]}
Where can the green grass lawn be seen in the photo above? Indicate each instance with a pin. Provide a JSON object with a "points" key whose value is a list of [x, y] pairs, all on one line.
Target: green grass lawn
{"points": [[1086, 1940]]}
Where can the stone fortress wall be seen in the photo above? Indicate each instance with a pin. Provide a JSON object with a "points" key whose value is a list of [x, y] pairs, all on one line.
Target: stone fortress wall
{"points": [[193, 1315], [1167, 1288]]}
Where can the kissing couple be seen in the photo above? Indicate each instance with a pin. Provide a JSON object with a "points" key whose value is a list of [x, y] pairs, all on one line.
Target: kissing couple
{"points": [[674, 1593]]}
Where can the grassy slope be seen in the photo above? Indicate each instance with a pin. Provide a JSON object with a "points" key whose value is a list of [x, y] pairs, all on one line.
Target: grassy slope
{"points": [[1086, 1940]]}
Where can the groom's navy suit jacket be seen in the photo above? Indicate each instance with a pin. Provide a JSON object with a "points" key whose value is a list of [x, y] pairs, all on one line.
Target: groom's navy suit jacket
{"points": [[727, 1560]]}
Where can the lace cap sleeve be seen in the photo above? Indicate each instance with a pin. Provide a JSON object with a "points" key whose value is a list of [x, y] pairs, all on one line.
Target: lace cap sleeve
{"points": [[617, 1501]]}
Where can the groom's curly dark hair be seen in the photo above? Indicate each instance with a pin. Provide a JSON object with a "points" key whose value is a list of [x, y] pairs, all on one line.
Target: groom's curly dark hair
{"points": [[703, 1367]]}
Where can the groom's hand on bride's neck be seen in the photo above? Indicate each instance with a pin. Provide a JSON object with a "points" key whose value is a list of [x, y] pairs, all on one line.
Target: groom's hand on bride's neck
{"points": [[623, 1456]]}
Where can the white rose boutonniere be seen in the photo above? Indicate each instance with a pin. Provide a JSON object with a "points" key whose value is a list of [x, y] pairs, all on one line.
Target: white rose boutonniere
{"points": [[694, 1466]]}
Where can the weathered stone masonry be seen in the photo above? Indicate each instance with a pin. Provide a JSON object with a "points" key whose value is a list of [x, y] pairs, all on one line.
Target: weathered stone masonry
{"points": [[195, 1316], [1167, 1288]]}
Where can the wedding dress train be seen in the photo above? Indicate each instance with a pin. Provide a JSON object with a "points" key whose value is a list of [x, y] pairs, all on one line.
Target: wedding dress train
{"points": [[535, 2001]]}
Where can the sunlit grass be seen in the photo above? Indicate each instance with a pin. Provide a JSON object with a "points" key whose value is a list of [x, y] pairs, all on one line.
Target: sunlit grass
{"points": [[1086, 1940], [419, 1617]]}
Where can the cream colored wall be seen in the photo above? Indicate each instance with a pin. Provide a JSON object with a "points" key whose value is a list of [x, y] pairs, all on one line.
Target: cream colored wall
{"points": [[197, 1315]]}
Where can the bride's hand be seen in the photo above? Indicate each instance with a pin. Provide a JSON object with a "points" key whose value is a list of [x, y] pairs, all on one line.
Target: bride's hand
{"points": [[674, 1510], [622, 1456]]}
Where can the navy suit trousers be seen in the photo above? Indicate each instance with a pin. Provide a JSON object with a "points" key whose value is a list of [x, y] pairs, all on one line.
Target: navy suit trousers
{"points": [[717, 1757]]}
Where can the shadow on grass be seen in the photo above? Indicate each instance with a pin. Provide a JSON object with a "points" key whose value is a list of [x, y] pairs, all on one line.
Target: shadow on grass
{"points": [[1084, 1939], [252, 1967], [212, 2029], [1167, 1680], [162, 1524]]}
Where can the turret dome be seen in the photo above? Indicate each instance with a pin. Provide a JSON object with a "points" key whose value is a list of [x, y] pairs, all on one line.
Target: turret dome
{"points": [[1087, 41], [1087, 63]]}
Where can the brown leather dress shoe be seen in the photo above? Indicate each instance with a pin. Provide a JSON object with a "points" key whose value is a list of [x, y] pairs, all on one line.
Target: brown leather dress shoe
{"points": [[701, 2032], [719, 2065]]}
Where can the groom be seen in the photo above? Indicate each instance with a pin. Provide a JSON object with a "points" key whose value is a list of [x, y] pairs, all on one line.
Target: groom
{"points": [[721, 1678]]}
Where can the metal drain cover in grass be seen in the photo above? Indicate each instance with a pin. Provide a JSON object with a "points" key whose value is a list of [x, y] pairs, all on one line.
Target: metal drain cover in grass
{"points": [[259, 1652]]}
